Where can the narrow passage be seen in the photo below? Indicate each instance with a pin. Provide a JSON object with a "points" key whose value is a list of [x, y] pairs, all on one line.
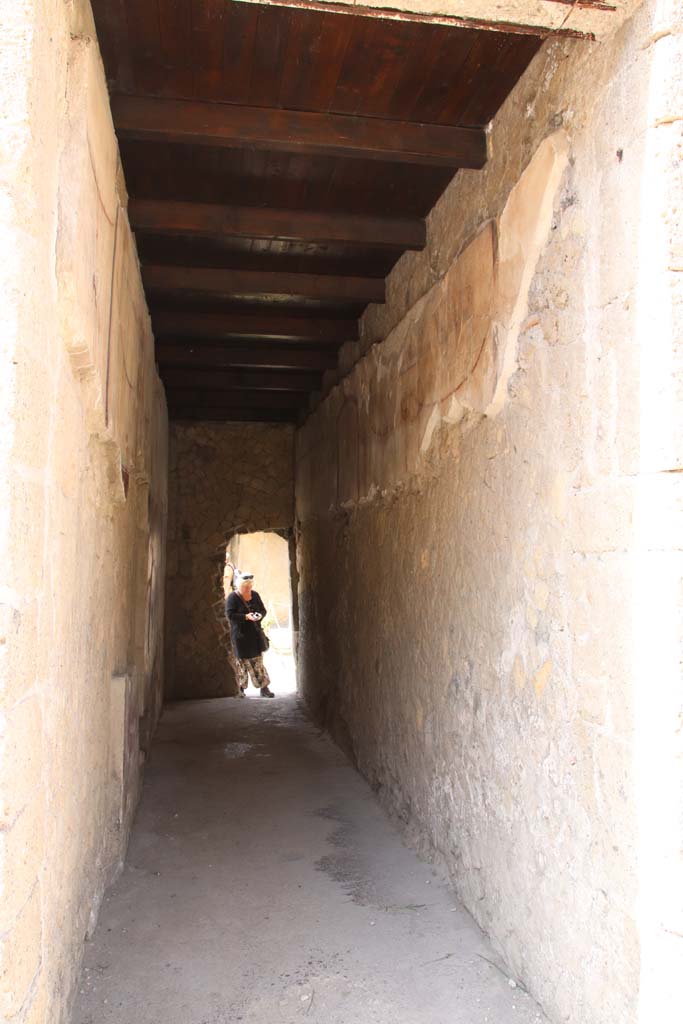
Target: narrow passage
{"points": [[264, 883]]}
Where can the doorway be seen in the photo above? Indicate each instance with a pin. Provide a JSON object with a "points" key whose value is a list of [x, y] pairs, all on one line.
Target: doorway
{"points": [[267, 555]]}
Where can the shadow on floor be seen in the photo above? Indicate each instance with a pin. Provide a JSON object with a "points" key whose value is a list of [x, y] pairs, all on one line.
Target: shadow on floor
{"points": [[265, 885]]}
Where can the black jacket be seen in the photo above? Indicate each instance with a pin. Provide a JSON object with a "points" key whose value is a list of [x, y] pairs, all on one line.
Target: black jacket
{"points": [[246, 636]]}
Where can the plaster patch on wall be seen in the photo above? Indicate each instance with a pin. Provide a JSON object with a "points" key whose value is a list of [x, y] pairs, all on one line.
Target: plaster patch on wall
{"points": [[473, 316], [453, 353], [542, 678], [432, 424], [522, 233]]}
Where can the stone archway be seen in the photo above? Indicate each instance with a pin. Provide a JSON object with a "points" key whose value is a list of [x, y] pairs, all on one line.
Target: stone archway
{"points": [[269, 555], [224, 479]]}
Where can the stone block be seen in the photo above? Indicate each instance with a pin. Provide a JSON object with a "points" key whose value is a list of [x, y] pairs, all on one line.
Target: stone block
{"points": [[18, 619], [38, 1009], [87, 218], [600, 519], [22, 758], [593, 698], [20, 956], [21, 857], [522, 234]]}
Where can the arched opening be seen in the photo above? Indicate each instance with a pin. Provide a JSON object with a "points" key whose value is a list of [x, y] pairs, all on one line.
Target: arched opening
{"points": [[266, 554]]}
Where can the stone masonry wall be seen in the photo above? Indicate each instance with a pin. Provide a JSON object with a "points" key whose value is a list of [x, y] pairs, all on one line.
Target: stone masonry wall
{"points": [[488, 531], [225, 478], [83, 463]]}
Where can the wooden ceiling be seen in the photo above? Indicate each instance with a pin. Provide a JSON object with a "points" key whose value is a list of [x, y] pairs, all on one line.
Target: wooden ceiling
{"points": [[279, 162]]}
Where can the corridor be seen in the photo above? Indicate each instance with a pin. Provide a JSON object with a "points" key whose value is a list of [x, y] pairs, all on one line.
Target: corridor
{"points": [[387, 295], [264, 883]]}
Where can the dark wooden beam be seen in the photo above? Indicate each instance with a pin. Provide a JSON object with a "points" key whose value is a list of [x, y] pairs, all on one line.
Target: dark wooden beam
{"points": [[197, 413], [232, 380], [205, 355], [252, 399], [114, 40], [154, 119], [281, 258], [209, 220], [255, 325], [232, 284]]}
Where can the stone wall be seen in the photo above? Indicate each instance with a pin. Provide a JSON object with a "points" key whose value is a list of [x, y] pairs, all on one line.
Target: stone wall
{"points": [[225, 478], [83, 460], [488, 529]]}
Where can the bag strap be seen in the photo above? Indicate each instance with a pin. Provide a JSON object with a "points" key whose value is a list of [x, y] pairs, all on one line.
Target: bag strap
{"points": [[246, 605]]}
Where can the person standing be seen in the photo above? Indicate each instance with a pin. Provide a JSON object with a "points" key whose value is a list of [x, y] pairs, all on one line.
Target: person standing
{"points": [[245, 609]]}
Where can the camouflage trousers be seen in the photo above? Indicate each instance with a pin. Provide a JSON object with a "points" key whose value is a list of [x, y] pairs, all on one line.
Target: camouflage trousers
{"points": [[254, 667]]}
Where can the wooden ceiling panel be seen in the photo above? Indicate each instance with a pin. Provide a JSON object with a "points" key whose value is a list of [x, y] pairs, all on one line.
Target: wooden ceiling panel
{"points": [[207, 30], [316, 49], [297, 59], [175, 29], [112, 34], [370, 44], [268, 57], [240, 22], [279, 161], [478, 106], [143, 37]]}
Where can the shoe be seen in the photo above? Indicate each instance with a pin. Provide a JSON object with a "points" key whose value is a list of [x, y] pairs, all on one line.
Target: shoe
{"points": [[242, 693], [265, 692]]}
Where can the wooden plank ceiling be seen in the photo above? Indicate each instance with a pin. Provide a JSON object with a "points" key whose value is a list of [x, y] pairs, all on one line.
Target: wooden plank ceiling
{"points": [[279, 162]]}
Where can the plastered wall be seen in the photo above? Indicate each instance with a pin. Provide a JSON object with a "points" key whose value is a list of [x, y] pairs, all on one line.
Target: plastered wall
{"points": [[592, 17], [489, 523], [83, 464], [225, 478]]}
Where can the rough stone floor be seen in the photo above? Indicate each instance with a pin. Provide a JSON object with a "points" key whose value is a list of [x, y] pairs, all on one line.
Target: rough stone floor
{"points": [[264, 883]]}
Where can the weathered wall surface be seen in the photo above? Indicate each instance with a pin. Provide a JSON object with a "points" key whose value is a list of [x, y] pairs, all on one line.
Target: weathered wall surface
{"points": [[590, 17], [83, 447], [488, 517], [225, 478]]}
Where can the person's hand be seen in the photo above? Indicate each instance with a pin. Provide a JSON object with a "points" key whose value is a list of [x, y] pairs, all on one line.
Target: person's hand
{"points": [[250, 617]]}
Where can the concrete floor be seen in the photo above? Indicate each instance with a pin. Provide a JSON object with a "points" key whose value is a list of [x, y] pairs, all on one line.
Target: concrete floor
{"points": [[264, 883]]}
